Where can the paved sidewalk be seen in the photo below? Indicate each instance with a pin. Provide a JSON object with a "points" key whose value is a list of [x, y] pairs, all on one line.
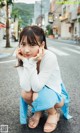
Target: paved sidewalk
{"points": [[5, 52]]}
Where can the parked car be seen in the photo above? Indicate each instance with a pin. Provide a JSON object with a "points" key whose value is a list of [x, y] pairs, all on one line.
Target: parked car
{"points": [[4, 37]]}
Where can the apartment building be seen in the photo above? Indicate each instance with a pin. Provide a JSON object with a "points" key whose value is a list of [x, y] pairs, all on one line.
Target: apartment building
{"points": [[66, 18], [70, 19], [65, 25], [56, 9]]}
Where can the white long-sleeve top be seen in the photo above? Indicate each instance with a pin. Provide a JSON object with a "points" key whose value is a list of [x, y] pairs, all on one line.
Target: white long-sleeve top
{"points": [[49, 74]]}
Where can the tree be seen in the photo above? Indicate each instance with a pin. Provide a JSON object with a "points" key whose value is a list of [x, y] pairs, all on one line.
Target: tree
{"points": [[6, 3], [15, 15]]}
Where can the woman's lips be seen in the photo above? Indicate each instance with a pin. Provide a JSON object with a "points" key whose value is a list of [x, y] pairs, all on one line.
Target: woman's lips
{"points": [[27, 55]]}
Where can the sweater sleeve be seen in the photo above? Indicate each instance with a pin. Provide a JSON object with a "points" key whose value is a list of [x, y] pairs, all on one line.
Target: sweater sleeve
{"points": [[37, 81], [24, 78]]}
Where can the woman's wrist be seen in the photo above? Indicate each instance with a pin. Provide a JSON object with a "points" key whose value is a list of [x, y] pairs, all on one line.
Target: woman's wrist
{"points": [[21, 57]]}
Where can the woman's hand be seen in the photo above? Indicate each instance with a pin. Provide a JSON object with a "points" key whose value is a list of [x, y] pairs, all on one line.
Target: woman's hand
{"points": [[39, 55], [19, 54]]}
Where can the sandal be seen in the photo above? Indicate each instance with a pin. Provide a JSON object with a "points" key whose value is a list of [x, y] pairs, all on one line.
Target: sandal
{"points": [[51, 126], [34, 121]]}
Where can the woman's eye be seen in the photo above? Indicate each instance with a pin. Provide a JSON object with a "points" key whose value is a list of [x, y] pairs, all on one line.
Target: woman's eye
{"points": [[23, 44], [32, 44]]}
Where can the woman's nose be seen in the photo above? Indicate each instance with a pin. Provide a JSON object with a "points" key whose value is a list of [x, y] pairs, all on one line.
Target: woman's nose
{"points": [[27, 50]]}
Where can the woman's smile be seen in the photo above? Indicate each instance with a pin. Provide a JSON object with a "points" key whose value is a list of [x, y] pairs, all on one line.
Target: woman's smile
{"points": [[27, 55]]}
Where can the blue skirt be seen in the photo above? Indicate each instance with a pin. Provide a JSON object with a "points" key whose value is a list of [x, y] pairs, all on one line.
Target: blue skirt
{"points": [[47, 98]]}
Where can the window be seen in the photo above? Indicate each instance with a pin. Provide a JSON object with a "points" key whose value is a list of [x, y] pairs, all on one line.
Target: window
{"points": [[75, 30], [64, 10]]}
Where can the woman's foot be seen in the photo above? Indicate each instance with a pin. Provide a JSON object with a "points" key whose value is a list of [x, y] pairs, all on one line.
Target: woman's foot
{"points": [[51, 122], [34, 120]]}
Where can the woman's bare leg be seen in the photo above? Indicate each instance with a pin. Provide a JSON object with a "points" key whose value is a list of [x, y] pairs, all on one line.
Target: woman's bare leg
{"points": [[59, 105], [51, 122], [27, 96], [34, 120]]}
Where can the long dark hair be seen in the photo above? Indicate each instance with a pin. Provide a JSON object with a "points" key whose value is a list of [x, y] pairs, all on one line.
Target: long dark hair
{"points": [[32, 33]]}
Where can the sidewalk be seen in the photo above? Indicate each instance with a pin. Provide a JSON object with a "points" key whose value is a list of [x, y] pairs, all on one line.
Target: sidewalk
{"points": [[5, 52]]}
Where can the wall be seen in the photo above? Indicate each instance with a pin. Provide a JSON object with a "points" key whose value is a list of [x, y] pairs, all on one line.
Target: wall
{"points": [[65, 30]]}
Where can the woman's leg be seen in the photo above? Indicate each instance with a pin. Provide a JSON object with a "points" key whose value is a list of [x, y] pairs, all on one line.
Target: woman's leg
{"points": [[27, 96], [51, 122], [34, 120], [53, 117], [25, 99], [59, 105]]}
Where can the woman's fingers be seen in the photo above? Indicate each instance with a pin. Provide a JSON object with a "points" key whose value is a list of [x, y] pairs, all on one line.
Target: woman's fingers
{"points": [[40, 51], [18, 53], [39, 55]]}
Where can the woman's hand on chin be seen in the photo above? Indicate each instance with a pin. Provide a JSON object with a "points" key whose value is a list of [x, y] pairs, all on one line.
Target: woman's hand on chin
{"points": [[19, 54], [39, 56]]}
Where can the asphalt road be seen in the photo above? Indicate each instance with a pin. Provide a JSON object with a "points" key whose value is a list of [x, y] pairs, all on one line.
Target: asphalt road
{"points": [[69, 61]]}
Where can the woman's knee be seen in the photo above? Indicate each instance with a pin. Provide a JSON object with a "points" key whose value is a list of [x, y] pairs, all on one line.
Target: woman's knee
{"points": [[26, 95], [35, 96], [59, 105]]}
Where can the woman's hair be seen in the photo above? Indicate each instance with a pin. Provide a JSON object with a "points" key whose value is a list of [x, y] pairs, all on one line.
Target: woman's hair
{"points": [[35, 36]]}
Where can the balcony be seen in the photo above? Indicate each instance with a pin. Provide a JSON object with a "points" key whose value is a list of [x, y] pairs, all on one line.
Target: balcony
{"points": [[64, 17]]}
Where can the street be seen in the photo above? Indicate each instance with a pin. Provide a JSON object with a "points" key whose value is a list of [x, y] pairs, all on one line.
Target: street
{"points": [[68, 56]]}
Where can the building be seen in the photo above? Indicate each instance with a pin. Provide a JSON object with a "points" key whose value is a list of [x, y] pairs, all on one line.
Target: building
{"points": [[37, 11], [70, 19], [3, 19], [56, 9], [66, 15], [41, 10], [65, 25]]}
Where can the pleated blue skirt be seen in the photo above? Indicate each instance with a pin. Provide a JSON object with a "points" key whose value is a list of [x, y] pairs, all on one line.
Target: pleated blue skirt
{"points": [[48, 98]]}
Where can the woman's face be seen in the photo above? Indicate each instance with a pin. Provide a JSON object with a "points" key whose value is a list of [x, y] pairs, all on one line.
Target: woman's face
{"points": [[27, 50]]}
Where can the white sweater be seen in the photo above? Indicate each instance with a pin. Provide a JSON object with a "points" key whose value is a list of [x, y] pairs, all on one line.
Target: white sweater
{"points": [[49, 74]]}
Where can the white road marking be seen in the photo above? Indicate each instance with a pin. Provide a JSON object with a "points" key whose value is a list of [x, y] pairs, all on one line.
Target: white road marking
{"points": [[9, 61], [54, 50], [77, 47], [72, 50], [58, 52]]}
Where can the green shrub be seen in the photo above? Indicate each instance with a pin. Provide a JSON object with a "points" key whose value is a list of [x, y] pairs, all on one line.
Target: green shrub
{"points": [[49, 30]]}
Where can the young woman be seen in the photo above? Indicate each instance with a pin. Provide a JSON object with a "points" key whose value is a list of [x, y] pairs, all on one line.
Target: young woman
{"points": [[40, 80]]}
